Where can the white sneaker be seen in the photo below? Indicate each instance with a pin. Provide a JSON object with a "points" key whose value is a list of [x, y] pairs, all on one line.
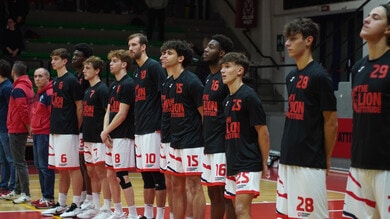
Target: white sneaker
{"points": [[57, 209], [10, 196], [72, 211], [22, 199], [117, 215], [104, 213], [88, 213], [87, 204]]}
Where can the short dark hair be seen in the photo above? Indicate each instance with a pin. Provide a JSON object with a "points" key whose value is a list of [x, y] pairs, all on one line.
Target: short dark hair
{"points": [[19, 68], [305, 26], [96, 62], [182, 48], [85, 48], [237, 58], [225, 43], [61, 52], [387, 10], [143, 39], [5, 68]]}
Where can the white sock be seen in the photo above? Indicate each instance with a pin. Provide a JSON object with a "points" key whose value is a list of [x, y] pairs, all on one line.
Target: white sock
{"points": [[148, 211], [83, 195], [62, 199], [160, 213], [132, 211], [107, 203], [77, 200], [96, 200], [118, 207], [171, 215]]}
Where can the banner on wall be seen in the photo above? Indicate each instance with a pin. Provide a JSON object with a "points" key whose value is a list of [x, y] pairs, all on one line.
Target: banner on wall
{"points": [[342, 148], [246, 13]]}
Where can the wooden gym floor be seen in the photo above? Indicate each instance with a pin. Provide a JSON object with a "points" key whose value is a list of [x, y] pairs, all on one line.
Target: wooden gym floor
{"points": [[263, 206]]}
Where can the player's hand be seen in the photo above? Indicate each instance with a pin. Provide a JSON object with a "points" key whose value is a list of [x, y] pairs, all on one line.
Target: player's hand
{"points": [[265, 173]]}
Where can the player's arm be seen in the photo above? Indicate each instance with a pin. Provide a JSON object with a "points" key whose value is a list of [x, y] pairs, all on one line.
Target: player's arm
{"points": [[79, 112], [200, 110], [330, 131], [264, 144], [116, 121]]}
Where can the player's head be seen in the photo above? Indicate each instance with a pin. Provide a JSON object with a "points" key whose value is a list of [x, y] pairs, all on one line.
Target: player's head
{"points": [[122, 55], [137, 45], [216, 48], [85, 49], [182, 48], [81, 52], [305, 28], [387, 8], [60, 52], [238, 59], [95, 63]]}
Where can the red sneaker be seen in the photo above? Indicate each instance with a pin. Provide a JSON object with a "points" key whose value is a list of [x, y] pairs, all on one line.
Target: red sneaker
{"points": [[43, 203], [33, 203]]}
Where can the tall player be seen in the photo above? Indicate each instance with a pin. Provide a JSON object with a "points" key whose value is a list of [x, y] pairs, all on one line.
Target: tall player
{"points": [[185, 157], [118, 133], [148, 79], [94, 108], [65, 123], [247, 137], [214, 160], [368, 191], [309, 130]]}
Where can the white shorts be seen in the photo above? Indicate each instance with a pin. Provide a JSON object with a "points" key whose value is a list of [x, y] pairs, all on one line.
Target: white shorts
{"points": [[147, 152], [94, 153], [367, 194], [214, 169], [64, 152], [185, 161], [301, 192], [121, 156], [243, 183], [81, 143], [164, 153]]}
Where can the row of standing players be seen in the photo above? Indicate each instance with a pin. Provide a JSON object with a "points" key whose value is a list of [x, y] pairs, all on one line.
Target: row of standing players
{"points": [[229, 154]]}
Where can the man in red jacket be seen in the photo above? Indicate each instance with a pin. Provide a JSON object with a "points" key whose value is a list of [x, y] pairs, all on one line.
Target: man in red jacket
{"points": [[18, 124], [40, 128]]}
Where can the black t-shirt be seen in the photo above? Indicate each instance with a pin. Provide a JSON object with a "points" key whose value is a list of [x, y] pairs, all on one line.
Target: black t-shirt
{"points": [[148, 79], [122, 91], [166, 113], [243, 111], [94, 109], [63, 119], [186, 122], [371, 113], [213, 118], [310, 92]]}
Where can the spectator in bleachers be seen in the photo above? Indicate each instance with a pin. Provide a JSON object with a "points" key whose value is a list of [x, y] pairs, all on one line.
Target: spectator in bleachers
{"points": [[156, 12], [12, 41]]}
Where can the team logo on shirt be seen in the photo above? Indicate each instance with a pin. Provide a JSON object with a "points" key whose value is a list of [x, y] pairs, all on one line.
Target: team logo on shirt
{"points": [[365, 101], [296, 109], [57, 102], [60, 85], [210, 108], [140, 93], [232, 129]]}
